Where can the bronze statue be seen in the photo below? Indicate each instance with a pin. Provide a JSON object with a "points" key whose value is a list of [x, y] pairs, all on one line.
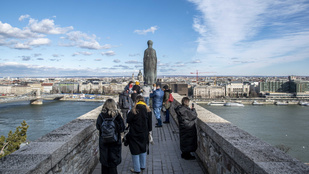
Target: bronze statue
{"points": [[150, 64]]}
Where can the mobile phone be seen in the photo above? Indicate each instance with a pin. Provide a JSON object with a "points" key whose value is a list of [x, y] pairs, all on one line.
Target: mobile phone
{"points": [[192, 105]]}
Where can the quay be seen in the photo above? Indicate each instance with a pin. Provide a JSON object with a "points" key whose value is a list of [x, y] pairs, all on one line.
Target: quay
{"points": [[222, 148]]}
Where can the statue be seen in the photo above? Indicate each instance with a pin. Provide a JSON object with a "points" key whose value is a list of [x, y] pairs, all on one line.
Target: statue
{"points": [[150, 64]]}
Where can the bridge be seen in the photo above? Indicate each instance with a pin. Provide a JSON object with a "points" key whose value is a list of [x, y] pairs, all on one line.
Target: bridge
{"points": [[223, 148], [35, 97]]}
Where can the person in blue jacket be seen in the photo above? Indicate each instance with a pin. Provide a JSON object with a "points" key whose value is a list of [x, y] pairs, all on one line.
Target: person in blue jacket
{"points": [[157, 99]]}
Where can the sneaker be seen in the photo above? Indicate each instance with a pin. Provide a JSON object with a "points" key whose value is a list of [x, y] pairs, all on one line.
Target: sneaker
{"points": [[156, 124], [132, 171]]}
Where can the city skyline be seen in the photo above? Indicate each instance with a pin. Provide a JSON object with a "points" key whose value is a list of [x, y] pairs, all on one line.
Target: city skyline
{"points": [[108, 38]]}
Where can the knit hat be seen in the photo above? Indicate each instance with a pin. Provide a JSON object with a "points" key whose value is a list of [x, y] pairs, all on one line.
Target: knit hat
{"points": [[137, 83]]}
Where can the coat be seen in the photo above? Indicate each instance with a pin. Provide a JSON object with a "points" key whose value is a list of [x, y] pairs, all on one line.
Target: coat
{"points": [[125, 101], [110, 154], [157, 96], [187, 129], [167, 104], [140, 124]]}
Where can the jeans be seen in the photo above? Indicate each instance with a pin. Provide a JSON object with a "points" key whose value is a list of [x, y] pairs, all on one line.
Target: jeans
{"points": [[146, 100], [139, 161], [124, 116], [157, 112], [167, 115]]}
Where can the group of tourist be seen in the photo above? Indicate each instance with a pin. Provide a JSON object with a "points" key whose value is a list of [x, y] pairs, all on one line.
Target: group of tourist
{"points": [[135, 120]]}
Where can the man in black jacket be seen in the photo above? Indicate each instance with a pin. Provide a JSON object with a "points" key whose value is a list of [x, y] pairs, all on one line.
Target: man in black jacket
{"points": [[187, 129], [125, 103]]}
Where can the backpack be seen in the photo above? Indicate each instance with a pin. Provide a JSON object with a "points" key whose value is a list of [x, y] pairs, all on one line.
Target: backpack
{"points": [[108, 130], [125, 102], [170, 98]]}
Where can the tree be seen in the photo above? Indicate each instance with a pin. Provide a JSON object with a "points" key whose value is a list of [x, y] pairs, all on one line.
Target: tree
{"points": [[12, 142]]}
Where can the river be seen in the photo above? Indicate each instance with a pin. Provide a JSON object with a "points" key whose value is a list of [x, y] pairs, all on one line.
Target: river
{"points": [[277, 125], [41, 119]]}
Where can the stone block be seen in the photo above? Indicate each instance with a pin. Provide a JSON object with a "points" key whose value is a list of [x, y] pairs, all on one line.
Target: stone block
{"points": [[25, 163], [57, 150]]}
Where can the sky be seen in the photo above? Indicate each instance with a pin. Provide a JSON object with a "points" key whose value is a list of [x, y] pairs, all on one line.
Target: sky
{"points": [[55, 38]]}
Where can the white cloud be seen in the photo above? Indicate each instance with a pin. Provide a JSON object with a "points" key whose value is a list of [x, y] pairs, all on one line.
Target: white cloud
{"points": [[47, 26], [133, 62], [144, 32], [22, 46], [22, 17], [39, 41], [8, 32], [108, 53], [83, 40], [259, 33]]}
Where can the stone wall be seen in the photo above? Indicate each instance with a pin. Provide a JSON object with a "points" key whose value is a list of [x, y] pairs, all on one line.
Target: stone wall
{"points": [[224, 148], [72, 148]]}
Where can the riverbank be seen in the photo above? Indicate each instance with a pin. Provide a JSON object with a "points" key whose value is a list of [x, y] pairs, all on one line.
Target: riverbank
{"points": [[261, 101]]}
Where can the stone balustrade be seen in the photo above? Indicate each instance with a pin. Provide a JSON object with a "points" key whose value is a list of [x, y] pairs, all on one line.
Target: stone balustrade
{"points": [[72, 148], [224, 148]]}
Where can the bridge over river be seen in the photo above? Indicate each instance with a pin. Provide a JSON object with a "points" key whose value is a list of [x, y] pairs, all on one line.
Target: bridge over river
{"points": [[222, 148], [33, 98]]}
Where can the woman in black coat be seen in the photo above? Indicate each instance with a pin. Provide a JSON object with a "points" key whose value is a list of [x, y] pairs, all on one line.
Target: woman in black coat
{"points": [[187, 129], [140, 124], [110, 153]]}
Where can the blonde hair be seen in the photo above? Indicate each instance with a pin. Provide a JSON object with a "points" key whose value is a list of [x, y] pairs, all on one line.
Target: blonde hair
{"points": [[138, 99], [110, 107]]}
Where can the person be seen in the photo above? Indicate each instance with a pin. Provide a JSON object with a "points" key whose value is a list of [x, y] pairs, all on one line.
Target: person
{"points": [[150, 64], [125, 104], [140, 125], [146, 92], [157, 101], [187, 128], [166, 103], [137, 87], [133, 96], [129, 87], [110, 153]]}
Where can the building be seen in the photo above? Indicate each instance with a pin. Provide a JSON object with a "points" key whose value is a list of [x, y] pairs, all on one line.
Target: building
{"points": [[140, 76], [66, 87], [206, 91], [237, 89]]}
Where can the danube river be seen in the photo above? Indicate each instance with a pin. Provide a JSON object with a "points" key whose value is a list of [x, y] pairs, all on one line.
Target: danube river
{"points": [[41, 119], [277, 125]]}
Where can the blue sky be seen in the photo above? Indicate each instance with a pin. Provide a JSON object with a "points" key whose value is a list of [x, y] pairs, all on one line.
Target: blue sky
{"points": [[104, 37]]}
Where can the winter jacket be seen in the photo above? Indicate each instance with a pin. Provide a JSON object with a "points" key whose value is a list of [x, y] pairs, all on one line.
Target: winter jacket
{"points": [[139, 126], [167, 104], [125, 101], [146, 91], [110, 154], [157, 98], [187, 129], [137, 88]]}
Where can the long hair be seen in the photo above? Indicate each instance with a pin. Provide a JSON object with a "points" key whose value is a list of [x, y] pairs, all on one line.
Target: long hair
{"points": [[110, 107], [138, 99]]}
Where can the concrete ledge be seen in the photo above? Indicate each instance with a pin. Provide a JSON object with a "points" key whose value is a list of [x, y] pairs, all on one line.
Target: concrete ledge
{"points": [[71, 148], [224, 148]]}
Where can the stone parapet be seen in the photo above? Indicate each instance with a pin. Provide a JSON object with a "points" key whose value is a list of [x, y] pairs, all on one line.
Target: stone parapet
{"points": [[72, 148], [224, 148]]}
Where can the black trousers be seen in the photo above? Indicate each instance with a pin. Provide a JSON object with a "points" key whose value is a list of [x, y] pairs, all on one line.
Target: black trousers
{"points": [[108, 170]]}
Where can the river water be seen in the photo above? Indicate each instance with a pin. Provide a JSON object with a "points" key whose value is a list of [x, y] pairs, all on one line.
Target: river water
{"points": [[41, 119], [276, 125]]}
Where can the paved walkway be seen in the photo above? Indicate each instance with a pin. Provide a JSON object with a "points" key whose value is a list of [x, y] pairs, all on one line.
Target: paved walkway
{"points": [[164, 155]]}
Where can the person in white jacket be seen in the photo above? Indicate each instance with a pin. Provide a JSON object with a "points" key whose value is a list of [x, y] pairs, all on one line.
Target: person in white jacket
{"points": [[146, 90]]}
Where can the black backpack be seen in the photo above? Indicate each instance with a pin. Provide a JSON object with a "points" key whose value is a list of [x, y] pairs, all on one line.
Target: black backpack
{"points": [[109, 132]]}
